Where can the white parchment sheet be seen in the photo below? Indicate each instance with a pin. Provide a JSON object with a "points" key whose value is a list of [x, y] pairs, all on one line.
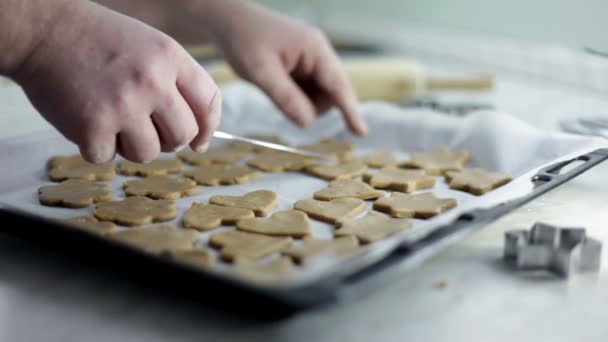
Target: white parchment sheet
{"points": [[496, 141]]}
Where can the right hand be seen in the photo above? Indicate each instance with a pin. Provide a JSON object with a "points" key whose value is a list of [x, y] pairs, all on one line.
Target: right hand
{"points": [[112, 84]]}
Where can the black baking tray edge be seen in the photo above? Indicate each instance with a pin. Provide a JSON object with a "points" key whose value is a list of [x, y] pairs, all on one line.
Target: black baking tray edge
{"points": [[234, 296]]}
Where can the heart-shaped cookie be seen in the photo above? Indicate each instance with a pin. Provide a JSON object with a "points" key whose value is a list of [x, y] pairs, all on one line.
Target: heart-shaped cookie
{"points": [[238, 245], [347, 188], [331, 211], [74, 193], [137, 210], [209, 216], [372, 227], [262, 202], [283, 223]]}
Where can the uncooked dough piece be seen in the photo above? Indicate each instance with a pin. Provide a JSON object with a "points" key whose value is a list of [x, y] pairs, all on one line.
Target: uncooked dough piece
{"points": [[439, 161], [283, 223], [400, 180], [90, 224], [74, 193], [262, 202], [274, 161], [273, 272], [209, 216], [373, 227], [334, 147], [224, 154], [345, 170], [238, 245], [158, 167], [347, 188], [331, 211], [275, 139], [312, 248], [201, 258], [379, 159], [424, 205], [477, 181], [137, 210], [74, 167], [157, 239], [222, 174], [161, 187]]}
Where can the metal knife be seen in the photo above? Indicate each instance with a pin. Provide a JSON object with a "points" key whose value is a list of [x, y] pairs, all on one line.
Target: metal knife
{"points": [[278, 147]]}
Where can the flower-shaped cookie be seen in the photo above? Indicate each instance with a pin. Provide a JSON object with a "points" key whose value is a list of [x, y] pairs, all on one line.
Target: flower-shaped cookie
{"points": [[156, 167], [137, 210], [161, 187], [74, 167], [74, 193]]}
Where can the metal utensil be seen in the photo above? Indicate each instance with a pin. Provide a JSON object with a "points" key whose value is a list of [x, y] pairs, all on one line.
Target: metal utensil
{"points": [[278, 147]]}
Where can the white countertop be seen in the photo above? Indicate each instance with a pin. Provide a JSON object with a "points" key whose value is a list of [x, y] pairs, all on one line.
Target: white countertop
{"points": [[54, 299]]}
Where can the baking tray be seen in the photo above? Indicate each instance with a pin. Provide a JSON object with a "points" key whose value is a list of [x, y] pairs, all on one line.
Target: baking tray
{"points": [[536, 162]]}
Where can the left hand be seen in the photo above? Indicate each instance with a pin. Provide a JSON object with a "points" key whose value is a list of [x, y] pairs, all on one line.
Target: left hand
{"points": [[289, 60]]}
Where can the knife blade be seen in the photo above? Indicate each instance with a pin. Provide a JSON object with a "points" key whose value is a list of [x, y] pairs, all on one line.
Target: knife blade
{"points": [[273, 146]]}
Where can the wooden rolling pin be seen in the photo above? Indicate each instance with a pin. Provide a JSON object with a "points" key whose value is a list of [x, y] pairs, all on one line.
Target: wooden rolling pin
{"points": [[385, 79]]}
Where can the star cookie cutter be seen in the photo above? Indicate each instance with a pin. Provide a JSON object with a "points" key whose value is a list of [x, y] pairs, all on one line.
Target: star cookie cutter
{"points": [[561, 250]]}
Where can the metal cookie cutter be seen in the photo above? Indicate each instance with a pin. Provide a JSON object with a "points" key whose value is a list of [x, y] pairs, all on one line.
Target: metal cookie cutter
{"points": [[560, 250]]}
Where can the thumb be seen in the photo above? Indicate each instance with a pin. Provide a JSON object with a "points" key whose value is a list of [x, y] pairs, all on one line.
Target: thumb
{"points": [[276, 82]]}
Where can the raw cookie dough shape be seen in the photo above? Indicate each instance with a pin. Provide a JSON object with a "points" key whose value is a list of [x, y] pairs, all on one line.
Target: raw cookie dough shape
{"points": [[269, 273], [400, 180], [345, 170], [373, 227], [158, 167], [158, 239], [379, 159], [424, 205], [439, 161], [161, 187], [477, 181], [90, 224], [74, 167], [334, 147], [275, 161], [222, 174], [283, 223], [224, 154], [331, 211], [209, 216], [238, 245], [200, 258], [275, 139], [74, 193], [312, 248], [347, 188], [137, 210], [262, 202]]}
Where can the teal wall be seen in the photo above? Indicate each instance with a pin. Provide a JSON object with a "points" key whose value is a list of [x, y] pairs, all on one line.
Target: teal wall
{"points": [[573, 23]]}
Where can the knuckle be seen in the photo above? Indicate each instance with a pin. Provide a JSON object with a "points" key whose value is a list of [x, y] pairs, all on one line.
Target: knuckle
{"points": [[145, 75], [315, 35]]}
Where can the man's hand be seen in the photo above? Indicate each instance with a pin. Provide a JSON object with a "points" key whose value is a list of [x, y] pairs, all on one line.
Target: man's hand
{"points": [[291, 61], [112, 84]]}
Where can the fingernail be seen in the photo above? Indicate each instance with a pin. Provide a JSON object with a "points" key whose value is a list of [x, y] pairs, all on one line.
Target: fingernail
{"points": [[202, 148], [102, 154], [179, 148], [363, 128]]}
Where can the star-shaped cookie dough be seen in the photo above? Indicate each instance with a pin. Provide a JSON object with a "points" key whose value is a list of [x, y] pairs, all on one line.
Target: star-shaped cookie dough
{"points": [[333, 147], [161, 187], [158, 239], [344, 170], [373, 227], [90, 224], [283, 223], [477, 181], [331, 211], [262, 202], [74, 193], [222, 174], [273, 161], [209, 216], [439, 161], [379, 159], [224, 154], [137, 210], [424, 205], [347, 188], [74, 167], [400, 180], [238, 245], [312, 248], [158, 167]]}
